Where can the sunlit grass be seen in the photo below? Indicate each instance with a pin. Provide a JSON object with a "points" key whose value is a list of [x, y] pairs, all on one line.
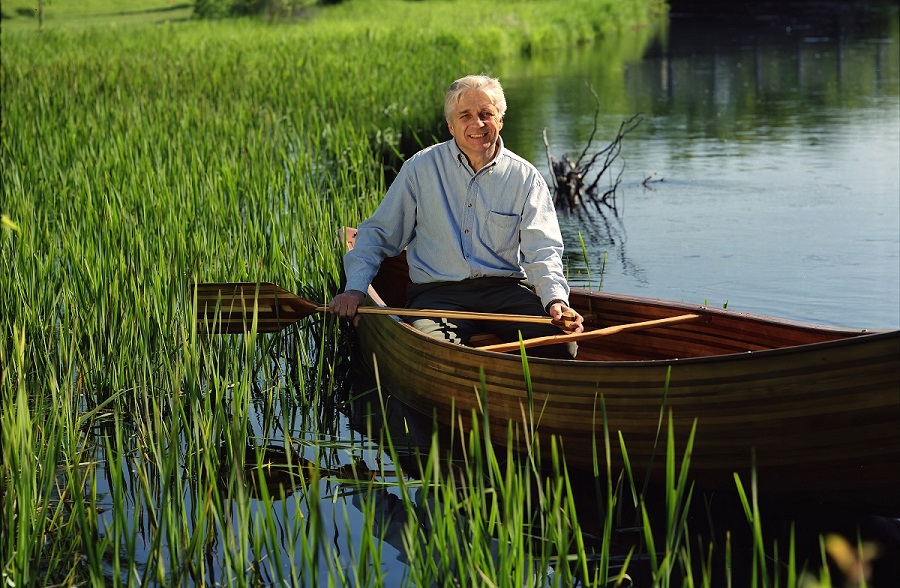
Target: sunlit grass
{"points": [[24, 15]]}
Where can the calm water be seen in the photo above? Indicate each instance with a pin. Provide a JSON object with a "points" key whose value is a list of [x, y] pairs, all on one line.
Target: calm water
{"points": [[773, 149]]}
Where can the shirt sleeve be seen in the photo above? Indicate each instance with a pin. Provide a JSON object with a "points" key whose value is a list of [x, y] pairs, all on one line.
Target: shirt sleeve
{"points": [[384, 234], [542, 246]]}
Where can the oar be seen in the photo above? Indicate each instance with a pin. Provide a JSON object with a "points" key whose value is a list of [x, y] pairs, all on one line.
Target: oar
{"points": [[230, 307], [565, 338]]}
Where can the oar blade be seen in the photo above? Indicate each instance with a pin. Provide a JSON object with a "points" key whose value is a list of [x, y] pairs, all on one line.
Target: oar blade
{"points": [[230, 307]]}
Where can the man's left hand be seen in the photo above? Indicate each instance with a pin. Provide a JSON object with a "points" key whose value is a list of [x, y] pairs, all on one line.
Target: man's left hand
{"points": [[566, 318]]}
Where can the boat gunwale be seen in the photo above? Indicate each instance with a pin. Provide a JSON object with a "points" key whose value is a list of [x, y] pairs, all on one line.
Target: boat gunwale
{"points": [[731, 314], [844, 337]]}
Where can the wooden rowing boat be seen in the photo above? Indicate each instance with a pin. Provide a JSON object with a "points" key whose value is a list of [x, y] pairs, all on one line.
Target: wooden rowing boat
{"points": [[817, 407]]}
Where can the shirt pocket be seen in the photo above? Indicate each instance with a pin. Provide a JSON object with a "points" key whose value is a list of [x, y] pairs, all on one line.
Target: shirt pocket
{"points": [[502, 232]]}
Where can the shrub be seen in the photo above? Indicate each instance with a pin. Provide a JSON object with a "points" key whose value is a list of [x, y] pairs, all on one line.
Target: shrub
{"points": [[272, 8]]}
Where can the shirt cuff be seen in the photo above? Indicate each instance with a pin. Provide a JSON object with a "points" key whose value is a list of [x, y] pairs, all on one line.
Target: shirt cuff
{"points": [[552, 302]]}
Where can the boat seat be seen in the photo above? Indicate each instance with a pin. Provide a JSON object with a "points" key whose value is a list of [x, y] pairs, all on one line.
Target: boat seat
{"points": [[482, 339]]}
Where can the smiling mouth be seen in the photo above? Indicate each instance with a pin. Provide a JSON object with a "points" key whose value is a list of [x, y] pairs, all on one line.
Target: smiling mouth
{"points": [[481, 136]]}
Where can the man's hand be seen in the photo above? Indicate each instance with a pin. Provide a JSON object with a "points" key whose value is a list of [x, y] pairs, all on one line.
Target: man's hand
{"points": [[345, 305], [561, 313]]}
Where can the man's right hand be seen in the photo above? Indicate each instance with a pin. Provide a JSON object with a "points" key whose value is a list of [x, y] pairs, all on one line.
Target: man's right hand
{"points": [[345, 305]]}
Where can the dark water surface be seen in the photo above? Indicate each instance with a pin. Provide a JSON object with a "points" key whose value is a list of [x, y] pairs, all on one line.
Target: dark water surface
{"points": [[772, 140]]}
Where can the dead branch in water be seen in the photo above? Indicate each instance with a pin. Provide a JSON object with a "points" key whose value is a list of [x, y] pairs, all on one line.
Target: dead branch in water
{"points": [[569, 183]]}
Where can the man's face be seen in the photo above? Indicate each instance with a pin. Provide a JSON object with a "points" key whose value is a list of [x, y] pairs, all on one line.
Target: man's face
{"points": [[475, 123]]}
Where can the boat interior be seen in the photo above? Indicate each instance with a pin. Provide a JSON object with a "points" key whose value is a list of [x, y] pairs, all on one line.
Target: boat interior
{"points": [[709, 332]]}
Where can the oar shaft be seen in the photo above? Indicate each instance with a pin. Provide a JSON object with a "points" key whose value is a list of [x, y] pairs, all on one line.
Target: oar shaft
{"points": [[565, 338], [230, 308], [450, 314], [455, 314]]}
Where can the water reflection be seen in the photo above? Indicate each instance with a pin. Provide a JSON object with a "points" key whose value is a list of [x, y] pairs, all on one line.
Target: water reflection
{"points": [[310, 474], [417, 525], [714, 519], [773, 141]]}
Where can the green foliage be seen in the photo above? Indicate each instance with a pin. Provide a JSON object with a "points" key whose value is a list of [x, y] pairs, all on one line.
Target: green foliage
{"points": [[78, 14], [271, 8], [212, 8]]}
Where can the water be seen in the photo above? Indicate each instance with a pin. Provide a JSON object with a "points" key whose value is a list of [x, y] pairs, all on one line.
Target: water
{"points": [[773, 149]]}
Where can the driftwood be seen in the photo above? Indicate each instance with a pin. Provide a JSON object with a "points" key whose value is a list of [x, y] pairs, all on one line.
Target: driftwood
{"points": [[570, 183]]}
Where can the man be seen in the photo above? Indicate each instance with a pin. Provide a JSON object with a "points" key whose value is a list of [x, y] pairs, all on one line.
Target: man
{"points": [[476, 220]]}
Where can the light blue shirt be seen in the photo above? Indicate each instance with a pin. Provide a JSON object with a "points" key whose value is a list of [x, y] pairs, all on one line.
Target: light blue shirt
{"points": [[457, 224]]}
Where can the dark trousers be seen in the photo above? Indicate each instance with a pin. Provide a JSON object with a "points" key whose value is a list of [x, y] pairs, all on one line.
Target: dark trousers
{"points": [[491, 295]]}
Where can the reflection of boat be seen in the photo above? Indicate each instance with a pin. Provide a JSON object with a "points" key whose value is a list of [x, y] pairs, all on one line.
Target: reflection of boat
{"points": [[819, 407]]}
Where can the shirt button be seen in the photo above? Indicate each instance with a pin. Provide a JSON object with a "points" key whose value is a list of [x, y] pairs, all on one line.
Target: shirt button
{"points": [[469, 205], [466, 231]]}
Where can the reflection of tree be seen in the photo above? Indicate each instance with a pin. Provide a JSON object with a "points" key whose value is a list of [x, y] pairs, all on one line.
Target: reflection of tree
{"points": [[733, 71], [601, 227]]}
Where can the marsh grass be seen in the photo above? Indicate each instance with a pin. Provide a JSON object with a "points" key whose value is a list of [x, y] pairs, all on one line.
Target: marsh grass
{"points": [[481, 515]]}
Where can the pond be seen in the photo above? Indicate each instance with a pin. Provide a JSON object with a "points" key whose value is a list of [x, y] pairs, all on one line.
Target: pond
{"points": [[771, 143]]}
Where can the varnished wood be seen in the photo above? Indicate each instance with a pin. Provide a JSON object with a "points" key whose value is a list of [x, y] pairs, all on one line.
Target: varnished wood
{"points": [[234, 307]]}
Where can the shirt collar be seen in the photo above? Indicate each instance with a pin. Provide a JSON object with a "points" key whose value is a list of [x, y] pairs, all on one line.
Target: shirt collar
{"points": [[462, 160]]}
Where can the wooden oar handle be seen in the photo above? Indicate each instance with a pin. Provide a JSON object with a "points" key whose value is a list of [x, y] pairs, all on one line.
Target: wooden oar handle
{"points": [[567, 322], [231, 307]]}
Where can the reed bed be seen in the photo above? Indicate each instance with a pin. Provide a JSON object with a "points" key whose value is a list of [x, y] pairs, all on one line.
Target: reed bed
{"points": [[139, 160]]}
